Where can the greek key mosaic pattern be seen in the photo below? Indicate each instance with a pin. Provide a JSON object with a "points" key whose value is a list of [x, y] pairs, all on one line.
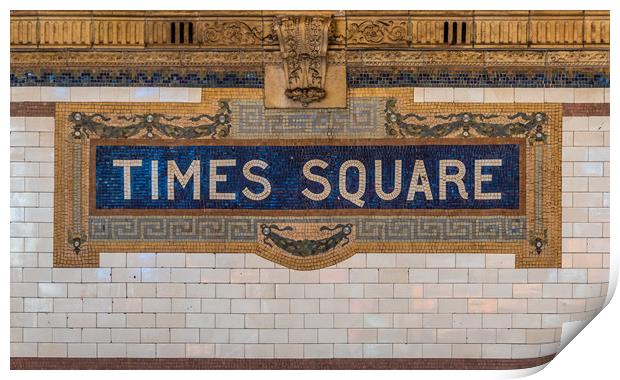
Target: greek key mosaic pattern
{"points": [[216, 229], [426, 229], [362, 116], [158, 228]]}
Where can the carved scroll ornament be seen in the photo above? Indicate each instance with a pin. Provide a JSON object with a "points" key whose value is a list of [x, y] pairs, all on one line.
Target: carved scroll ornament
{"points": [[303, 45]]}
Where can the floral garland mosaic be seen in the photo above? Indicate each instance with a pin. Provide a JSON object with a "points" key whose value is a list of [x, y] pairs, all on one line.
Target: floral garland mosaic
{"points": [[161, 177]]}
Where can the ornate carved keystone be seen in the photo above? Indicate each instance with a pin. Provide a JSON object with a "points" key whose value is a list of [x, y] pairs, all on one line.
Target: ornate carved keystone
{"points": [[303, 44], [303, 79]]}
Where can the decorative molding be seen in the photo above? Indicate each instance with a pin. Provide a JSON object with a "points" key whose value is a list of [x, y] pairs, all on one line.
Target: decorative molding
{"points": [[378, 32], [23, 60], [464, 124], [207, 30], [303, 44], [272, 236], [242, 33], [153, 125]]}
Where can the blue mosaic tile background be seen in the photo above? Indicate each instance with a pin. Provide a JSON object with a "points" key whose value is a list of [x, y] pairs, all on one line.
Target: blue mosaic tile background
{"points": [[482, 78], [287, 180], [356, 78]]}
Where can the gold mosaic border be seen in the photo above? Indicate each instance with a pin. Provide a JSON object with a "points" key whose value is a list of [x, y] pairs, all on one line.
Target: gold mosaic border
{"points": [[64, 256]]}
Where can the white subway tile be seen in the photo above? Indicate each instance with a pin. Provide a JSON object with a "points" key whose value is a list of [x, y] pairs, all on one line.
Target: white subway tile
{"points": [[55, 94], [289, 291], [111, 350], [285, 306], [141, 260], [126, 275], [17, 123], [114, 259], [410, 261], [378, 290], [52, 290], [174, 94], [438, 94], [377, 350], [157, 335], [85, 94], [25, 94], [589, 95], [199, 350], [259, 321], [144, 94], [215, 306], [348, 351], [381, 260], [471, 351], [186, 275], [529, 95], [443, 260], [318, 351], [559, 95], [407, 350], [115, 94], [201, 260], [37, 334], [499, 95], [168, 260], [52, 350], [82, 320], [363, 305], [202, 320], [500, 261], [335, 305], [39, 124], [332, 275], [436, 350], [66, 274], [468, 95], [214, 336], [82, 350]]}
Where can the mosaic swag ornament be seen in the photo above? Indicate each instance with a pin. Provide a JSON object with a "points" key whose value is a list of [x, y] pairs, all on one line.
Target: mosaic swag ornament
{"points": [[414, 178]]}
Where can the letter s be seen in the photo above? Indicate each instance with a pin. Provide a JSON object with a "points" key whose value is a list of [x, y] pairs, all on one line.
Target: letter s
{"points": [[327, 188], [256, 178]]}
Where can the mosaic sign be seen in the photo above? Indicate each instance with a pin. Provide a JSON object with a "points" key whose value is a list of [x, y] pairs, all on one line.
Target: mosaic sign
{"points": [[451, 176], [384, 175]]}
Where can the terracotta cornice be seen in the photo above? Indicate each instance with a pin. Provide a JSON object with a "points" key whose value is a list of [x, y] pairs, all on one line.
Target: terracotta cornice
{"points": [[253, 30]]}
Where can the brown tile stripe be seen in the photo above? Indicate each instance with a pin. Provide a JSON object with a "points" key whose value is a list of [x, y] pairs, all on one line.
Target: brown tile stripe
{"points": [[33, 109], [585, 109], [310, 364], [47, 109]]}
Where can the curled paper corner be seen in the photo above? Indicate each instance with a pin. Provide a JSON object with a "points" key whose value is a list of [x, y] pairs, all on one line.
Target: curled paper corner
{"points": [[570, 330]]}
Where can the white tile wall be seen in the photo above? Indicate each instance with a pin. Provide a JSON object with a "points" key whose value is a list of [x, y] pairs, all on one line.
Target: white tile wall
{"points": [[106, 94], [511, 95], [371, 305]]}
